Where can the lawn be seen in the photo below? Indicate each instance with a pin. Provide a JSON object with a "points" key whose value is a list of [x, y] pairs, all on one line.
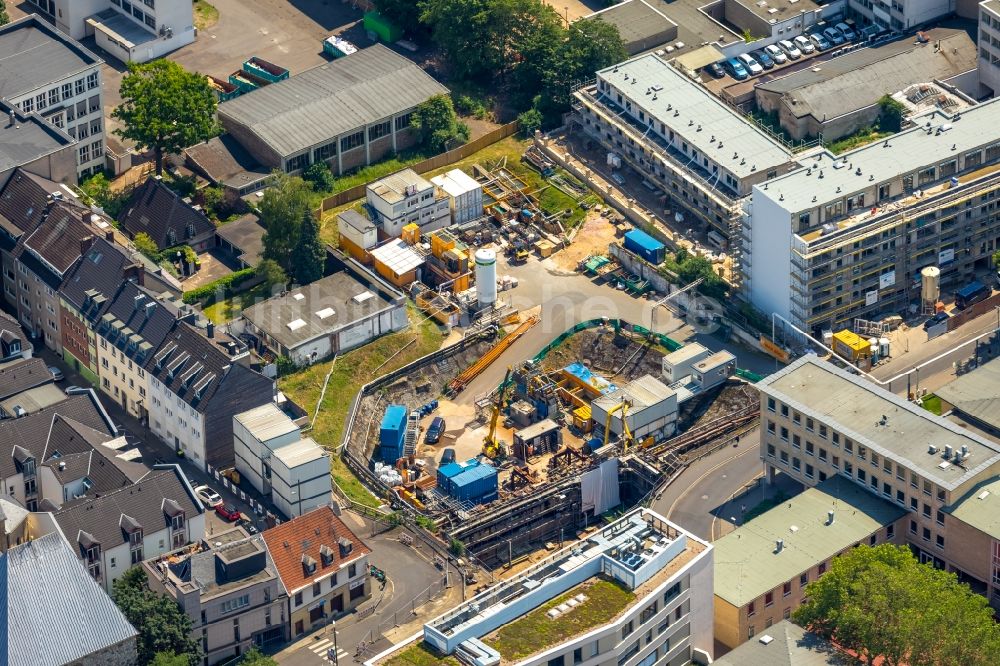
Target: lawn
{"points": [[224, 311], [205, 15], [862, 137], [536, 631], [420, 654], [350, 372], [931, 403]]}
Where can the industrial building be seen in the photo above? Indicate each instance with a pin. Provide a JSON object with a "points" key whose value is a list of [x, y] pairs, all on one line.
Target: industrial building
{"points": [[666, 618], [329, 316], [647, 406], [348, 113], [846, 236], [700, 152], [405, 198], [465, 195], [291, 470]]}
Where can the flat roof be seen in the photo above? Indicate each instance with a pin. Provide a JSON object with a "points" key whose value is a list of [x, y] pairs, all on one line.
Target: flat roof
{"points": [[786, 644], [397, 256], [980, 508], [684, 106], [28, 139], [992, 5], [34, 399], [643, 392], [778, 10], [747, 562], [120, 28], [306, 450], [266, 422], [34, 54], [686, 353], [640, 19], [247, 234], [902, 153], [392, 188], [976, 394], [887, 424], [720, 357], [456, 183], [318, 309]]}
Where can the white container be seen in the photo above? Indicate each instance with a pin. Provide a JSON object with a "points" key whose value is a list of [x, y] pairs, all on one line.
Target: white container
{"points": [[883, 347], [930, 284], [486, 276]]}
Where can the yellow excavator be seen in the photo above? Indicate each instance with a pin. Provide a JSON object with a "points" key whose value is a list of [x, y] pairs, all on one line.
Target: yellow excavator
{"points": [[493, 448], [627, 440]]}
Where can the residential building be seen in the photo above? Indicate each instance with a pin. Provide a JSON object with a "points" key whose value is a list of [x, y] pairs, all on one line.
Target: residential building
{"points": [[23, 374], [329, 316], [348, 113], [404, 198], [56, 614], [989, 45], [323, 567], [682, 139], [843, 95], [52, 74], [129, 31], [899, 15], [637, 591], [13, 343], [292, 471], [197, 384], [762, 567], [30, 143], [167, 218], [229, 588], [118, 530], [786, 644], [242, 239], [31, 401], [846, 236], [818, 421]]}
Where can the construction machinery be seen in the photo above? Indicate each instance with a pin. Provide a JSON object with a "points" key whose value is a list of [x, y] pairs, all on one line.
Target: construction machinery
{"points": [[492, 447], [627, 440]]}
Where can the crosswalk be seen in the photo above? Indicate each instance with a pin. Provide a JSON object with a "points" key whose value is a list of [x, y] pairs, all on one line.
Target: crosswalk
{"points": [[323, 647]]}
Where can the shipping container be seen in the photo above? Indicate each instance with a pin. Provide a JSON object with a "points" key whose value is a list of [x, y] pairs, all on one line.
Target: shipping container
{"points": [[265, 70], [338, 47], [850, 345], [392, 433], [477, 485], [446, 473], [383, 29], [645, 246]]}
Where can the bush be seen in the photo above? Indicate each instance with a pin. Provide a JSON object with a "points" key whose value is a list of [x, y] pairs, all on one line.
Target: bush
{"points": [[227, 284], [320, 177], [456, 547]]}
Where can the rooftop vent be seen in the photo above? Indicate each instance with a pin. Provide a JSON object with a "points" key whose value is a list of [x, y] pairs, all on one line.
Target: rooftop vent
{"points": [[931, 449], [830, 517], [779, 545], [765, 639]]}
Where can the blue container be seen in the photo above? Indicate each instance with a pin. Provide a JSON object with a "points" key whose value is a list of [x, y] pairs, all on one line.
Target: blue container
{"points": [[392, 433], [445, 475], [475, 484], [645, 246]]}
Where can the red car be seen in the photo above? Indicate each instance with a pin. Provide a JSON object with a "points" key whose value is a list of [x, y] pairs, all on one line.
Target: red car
{"points": [[227, 512]]}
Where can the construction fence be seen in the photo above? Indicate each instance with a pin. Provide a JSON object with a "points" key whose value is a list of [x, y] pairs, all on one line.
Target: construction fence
{"points": [[431, 163]]}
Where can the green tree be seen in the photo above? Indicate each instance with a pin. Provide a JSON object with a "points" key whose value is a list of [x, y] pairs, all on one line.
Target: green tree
{"points": [[162, 626], [145, 244], [403, 13], [282, 208], [883, 604], [165, 107], [891, 112], [456, 547], [308, 256], [270, 273], [319, 176], [438, 124], [98, 188], [530, 121], [4, 17], [255, 657], [170, 659]]}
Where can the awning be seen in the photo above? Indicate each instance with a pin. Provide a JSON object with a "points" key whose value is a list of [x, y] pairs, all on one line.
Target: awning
{"points": [[695, 60]]}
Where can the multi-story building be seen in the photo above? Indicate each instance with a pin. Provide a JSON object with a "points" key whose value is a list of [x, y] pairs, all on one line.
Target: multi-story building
{"points": [[323, 567], [682, 139], [231, 591], [404, 198], [13, 343], [29, 143], [167, 218], [636, 591], [899, 15], [55, 76], [846, 236], [130, 31], [989, 45]]}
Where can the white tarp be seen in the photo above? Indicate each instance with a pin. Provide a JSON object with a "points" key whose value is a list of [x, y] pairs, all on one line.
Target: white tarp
{"points": [[599, 487]]}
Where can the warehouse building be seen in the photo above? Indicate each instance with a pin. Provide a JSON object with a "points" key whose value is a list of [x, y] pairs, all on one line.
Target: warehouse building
{"points": [[651, 409], [846, 236], [348, 113]]}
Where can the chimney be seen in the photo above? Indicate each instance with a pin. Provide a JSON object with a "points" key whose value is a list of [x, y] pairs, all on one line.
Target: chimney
{"points": [[210, 330], [779, 544], [85, 244], [13, 119], [137, 301], [134, 273], [829, 517], [149, 309], [109, 235]]}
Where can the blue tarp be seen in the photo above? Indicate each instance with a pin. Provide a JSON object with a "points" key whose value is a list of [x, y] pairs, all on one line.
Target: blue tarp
{"points": [[584, 374]]}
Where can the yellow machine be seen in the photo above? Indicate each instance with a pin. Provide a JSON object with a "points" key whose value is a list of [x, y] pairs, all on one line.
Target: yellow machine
{"points": [[492, 447], [627, 440]]}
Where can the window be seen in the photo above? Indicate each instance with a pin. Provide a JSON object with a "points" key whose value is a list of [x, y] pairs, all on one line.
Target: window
{"points": [[836, 462], [874, 459], [317, 589], [822, 455], [822, 431], [352, 141], [150, 20], [231, 605], [809, 471], [770, 450], [914, 504], [796, 464], [848, 446], [926, 534], [786, 589], [796, 441], [53, 96], [862, 453], [379, 130], [784, 411], [135, 546], [939, 541], [28, 105], [672, 592], [797, 418], [648, 613], [890, 531], [821, 569], [628, 629], [403, 121], [631, 652], [804, 580], [913, 527], [784, 434], [836, 439], [873, 539], [80, 86], [770, 427], [939, 517], [768, 599], [927, 511], [751, 609], [862, 476], [352, 570], [93, 80], [809, 424], [770, 405], [784, 457], [298, 598], [750, 632], [810, 448], [67, 90]]}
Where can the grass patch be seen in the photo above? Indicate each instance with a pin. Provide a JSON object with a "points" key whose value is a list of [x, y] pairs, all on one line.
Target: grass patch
{"points": [[421, 654], [535, 631], [205, 15], [862, 137], [764, 506], [931, 403], [226, 310], [351, 372]]}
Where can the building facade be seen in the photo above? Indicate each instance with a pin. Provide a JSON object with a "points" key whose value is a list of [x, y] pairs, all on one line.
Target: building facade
{"points": [[989, 45], [407, 198]]}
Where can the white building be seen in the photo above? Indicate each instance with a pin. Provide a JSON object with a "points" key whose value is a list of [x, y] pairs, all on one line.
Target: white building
{"points": [[900, 15], [130, 31], [406, 197], [53, 75], [651, 409], [989, 45], [465, 195], [668, 622], [679, 364], [271, 454]]}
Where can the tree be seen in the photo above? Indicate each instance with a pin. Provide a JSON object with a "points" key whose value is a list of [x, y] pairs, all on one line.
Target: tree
{"points": [[145, 244], [282, 208], [162, 626], [438, 124], [255, 657], [996, 260], [165, 107], [270, 274], [308, 256], [4, 17], [530, 121], [891, 112], [319, 176], [404, 13], [885, 605], [170, 659]]}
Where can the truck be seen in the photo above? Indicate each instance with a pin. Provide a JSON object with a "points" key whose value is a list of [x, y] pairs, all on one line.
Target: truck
{"points": [[971, 293]]}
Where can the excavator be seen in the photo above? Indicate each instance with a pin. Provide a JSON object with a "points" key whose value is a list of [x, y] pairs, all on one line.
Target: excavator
{"points": [[627, 440], [492, 447]]}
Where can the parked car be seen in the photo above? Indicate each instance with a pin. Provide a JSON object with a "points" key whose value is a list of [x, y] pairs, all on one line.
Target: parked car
{"points": [[820, 42], [803, 44], [936, 319], [208, 497], [448, 456], [834, 36], [71, 389], [736, 69], [715, 70], [56, 373], [227, 512], [789, 49], [435, 430], [763, 58], [751, 65], [618, 178], [777, 55], [846, 31]]}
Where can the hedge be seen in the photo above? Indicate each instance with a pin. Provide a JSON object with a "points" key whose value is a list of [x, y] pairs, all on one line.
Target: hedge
{"points": [[226, 284]]}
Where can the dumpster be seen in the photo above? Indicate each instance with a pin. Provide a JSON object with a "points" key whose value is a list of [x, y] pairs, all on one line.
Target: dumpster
{"points": [[264, 70], [382, 29], [338, 47]]}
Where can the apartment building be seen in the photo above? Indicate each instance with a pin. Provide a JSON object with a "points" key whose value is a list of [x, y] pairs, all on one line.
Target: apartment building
{"points": [[404, 198], [229, 588], [846, 236], [665, 618], [702, 154], [52, 74], [323, 567], [989, 46], [899, 15], [818, 421], [131, 31], [763, 566], [13, 343]]}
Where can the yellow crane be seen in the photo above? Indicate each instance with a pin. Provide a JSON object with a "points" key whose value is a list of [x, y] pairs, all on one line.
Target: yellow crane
{"points": [[492, 447], [627, 439]]}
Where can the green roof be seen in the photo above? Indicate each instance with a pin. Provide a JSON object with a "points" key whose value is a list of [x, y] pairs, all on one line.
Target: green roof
{"points": [[746, 562], [980, 508]]}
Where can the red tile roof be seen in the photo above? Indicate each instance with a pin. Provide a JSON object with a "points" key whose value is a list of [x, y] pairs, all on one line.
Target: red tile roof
{"points": [[306, 536]]}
